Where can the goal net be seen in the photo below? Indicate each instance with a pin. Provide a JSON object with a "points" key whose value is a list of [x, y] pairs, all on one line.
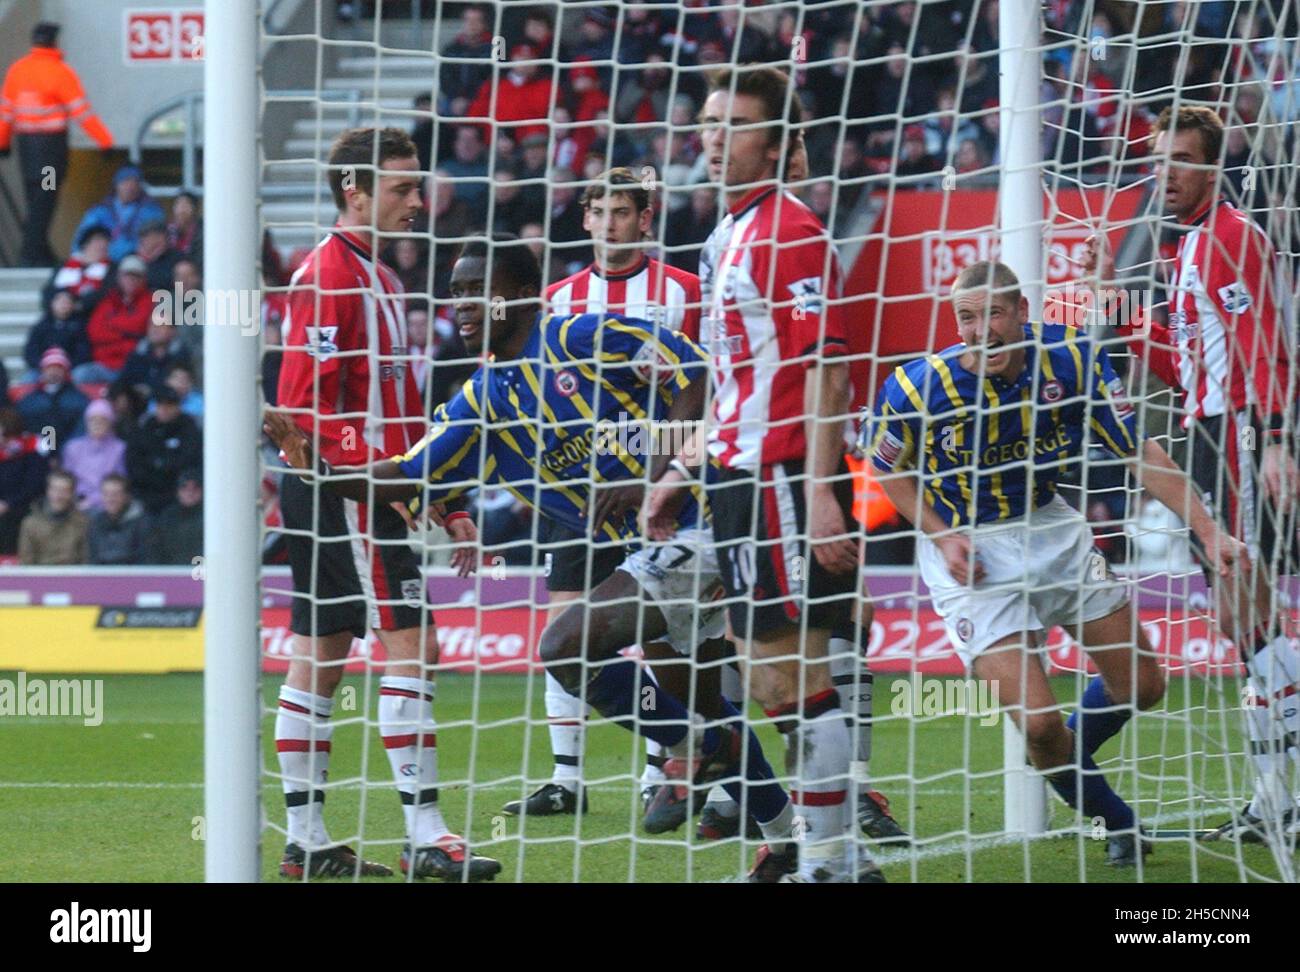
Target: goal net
{"points": [[934, 136]]}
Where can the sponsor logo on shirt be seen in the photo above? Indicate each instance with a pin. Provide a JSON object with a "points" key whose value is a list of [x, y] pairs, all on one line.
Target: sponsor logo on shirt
{"points": [[808, 294], [321, 341], [566, 383], [1235, 297]]}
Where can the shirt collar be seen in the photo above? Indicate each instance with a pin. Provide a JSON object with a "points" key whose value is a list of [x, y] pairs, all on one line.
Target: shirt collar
{"points": [[360, 245], [627, 274], [749, 199]]}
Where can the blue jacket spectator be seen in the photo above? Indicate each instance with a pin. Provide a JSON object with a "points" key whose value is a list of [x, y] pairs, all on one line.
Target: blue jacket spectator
{"points": [[55, 403], [124, 212], [61, 327], [157, 353]]}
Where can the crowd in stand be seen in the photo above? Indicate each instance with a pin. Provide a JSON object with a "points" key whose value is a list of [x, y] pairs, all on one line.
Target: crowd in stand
{"points": [[101, 442], [100, 453]]}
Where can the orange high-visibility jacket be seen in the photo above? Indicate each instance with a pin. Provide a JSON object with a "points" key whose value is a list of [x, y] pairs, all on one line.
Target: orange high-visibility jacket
{"points": [[871, 507], [42, 94]]}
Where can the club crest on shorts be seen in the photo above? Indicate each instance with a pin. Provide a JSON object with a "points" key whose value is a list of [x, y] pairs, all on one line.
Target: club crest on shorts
{"points": [[566, 383], [1053, 391], [411, 590], [965, 629]]}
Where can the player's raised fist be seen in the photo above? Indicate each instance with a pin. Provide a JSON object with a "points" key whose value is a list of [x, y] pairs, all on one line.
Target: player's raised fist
{"points": [[1097, 260], [288, 438]]}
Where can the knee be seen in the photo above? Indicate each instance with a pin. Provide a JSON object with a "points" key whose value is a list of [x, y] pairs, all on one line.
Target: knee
{"points": [[1043, 731], [1150, 688], [558, 650]]}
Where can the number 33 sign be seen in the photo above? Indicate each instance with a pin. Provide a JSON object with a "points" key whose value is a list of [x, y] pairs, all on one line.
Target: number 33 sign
{"points": [[163, 36]]}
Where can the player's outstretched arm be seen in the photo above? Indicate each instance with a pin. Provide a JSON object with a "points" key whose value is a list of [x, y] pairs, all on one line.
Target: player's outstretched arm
{"points": [[350, 482], [1167, 483]]}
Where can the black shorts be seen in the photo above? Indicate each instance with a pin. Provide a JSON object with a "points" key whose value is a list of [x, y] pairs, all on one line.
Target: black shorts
{"points": [[566, 554], [761, 534], [1224, 452], [368, 578]]}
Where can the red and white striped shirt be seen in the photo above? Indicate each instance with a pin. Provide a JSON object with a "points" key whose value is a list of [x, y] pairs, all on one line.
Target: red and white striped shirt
{"points": [[650, 290], [771, 285], [1223, 345], [344, 355]]}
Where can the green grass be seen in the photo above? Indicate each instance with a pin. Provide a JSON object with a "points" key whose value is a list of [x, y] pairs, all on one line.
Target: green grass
{"points": [[119, 802]]}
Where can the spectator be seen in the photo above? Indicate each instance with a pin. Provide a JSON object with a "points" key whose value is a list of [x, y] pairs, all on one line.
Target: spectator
{"points": [[119, 529], [85, 272], [185, 231], [188, 281], [55, 533], [450, 219], [520, 96], [422, 131], [408, 260], [96, 454], [123, 212], [23, 465], [158, 256], [180, 378], [570, 242], [163, 444], [118, 323], [61, 327], [418, 343], [514, 205], [55, 404], [913, 160], [177, 534], [459, 80], [41, 94], [689, 227], [469, 165], [643, 93], [158, 351], [128, 406]]}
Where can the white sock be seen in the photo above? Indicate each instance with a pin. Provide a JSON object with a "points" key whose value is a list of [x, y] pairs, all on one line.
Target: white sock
{"points": [[410, 737], [720, 800], [781, 827], [564, 718], [302, 743], [1273, 724], [655, 754], [821, 758]]}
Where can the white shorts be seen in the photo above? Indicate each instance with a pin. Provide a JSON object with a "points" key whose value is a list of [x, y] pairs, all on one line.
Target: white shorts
{"points": [[1038, 573], [681, 578]]}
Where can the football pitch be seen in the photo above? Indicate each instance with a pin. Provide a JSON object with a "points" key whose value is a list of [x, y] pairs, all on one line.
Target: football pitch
{"points": [[123, 801]]}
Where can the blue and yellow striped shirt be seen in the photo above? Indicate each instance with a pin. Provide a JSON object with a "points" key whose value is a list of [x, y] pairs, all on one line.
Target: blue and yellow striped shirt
{"points": [[985, 446], [562, 416]]}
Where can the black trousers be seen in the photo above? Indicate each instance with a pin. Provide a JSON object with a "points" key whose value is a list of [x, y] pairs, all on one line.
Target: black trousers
{"points": [[43, 158]]}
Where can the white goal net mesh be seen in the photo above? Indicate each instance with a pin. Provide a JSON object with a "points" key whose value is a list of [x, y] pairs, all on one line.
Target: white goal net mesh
{"points": [[518, 109]]}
